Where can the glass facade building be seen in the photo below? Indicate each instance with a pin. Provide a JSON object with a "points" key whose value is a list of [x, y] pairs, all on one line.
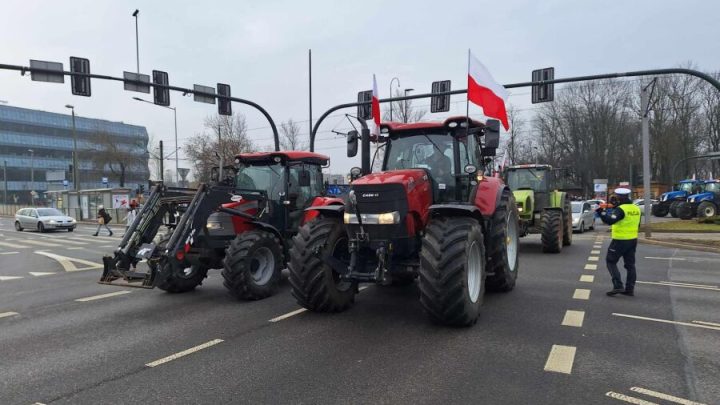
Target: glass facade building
{"points": [[50, 138]]}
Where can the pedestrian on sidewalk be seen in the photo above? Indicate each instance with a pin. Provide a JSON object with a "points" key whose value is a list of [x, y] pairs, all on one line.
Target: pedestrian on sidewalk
{"points": [[103, 219], [624, 219], [132, 213]]}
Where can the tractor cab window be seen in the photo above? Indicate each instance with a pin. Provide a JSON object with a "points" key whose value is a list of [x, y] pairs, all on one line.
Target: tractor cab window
{"points": [[301, 196], [686, 187], [433, 152], [261, 177], [712, 187], [527, 178]]}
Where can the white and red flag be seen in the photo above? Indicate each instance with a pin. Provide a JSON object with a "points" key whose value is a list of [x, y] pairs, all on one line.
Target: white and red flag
{"points": [[485, 92], [376, 107]]}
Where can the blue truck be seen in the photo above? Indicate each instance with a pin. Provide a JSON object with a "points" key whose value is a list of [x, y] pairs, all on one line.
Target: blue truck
{"points": [[669, 201], [704, 204]]}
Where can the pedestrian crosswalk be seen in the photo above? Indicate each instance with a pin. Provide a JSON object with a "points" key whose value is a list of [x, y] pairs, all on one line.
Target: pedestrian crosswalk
{"points": [[66, 242]]}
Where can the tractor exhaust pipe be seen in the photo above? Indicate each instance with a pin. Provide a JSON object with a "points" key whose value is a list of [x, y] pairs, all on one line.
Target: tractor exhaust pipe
{"points": [[365, 151]]}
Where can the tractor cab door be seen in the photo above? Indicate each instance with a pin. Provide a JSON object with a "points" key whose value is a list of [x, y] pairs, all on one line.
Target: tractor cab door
{"points": [[305, 182]]}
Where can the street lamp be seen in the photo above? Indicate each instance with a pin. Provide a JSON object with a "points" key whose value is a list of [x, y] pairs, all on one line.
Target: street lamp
{"points": [[391, 104], [709, 155], [405, 115], [75, 172], [137, 40], [32, 176], [176, 136]]}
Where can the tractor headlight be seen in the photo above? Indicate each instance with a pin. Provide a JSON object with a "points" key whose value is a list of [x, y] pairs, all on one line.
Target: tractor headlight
{"points": [[388, 218], [385, 218], [692, 200], [214, 225], [520, 209], [664, 198]]}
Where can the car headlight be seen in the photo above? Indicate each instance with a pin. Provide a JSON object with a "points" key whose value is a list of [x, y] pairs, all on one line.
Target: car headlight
{"points": [[52, 221], [385, 218], [73, 220]]}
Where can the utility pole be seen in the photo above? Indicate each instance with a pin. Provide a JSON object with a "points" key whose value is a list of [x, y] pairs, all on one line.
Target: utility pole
{"points": [[645, 110], [310, 123], [75, 172], [162, 158], [220, 169]]}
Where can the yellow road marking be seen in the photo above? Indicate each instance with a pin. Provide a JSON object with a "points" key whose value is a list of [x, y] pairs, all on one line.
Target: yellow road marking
{"points": [[67, 262], [591, 266], [560, 359], [593, 258], [573, 318], [665, 397], [644, 318], [7, 314], [587, 278], [628, 399], [581, 294], [101, 296], [594, 252], [184, 353]]}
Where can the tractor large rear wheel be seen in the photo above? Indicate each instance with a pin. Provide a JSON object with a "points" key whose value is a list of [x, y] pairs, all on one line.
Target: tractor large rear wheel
{"points": [[660, 210], [252, 266], [315, 285], [552, 231], [452, 270], [567, 220], [673, 208], [501, 244]]}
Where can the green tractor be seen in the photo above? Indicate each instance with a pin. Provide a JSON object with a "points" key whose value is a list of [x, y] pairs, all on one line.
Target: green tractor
{"points": [[543, 208]]}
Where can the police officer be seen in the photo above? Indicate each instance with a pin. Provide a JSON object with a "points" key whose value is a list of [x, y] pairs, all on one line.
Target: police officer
{"points": [[624, 220]]}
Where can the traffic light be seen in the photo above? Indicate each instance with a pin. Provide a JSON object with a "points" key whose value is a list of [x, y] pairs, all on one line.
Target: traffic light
{"points": [[364, 112], [161, 95], [440, 103], [80, 85], [544, 92], [224, 104]]}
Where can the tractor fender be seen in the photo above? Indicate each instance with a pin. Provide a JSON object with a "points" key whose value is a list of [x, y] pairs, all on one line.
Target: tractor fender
{"points": [[488, 195], [332, 210], [449, 210], [269, 228]]}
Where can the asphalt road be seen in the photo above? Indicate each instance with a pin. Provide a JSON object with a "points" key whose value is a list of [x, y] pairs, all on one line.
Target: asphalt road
{"points": [[115, 349]]}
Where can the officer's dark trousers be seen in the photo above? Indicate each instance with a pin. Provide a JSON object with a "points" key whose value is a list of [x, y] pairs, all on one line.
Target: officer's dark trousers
{"points": [[626, 250]]}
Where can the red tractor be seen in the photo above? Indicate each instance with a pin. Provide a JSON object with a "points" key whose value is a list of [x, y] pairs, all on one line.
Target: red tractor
{"points": [[240, 224], [431, 214]]}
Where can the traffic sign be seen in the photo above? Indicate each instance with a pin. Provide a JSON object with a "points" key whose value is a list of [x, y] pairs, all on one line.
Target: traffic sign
{"points": [[47, 76], [161, 96], [137, 77], [204, 89], [364, 112], [104, 180], [80, 85]]}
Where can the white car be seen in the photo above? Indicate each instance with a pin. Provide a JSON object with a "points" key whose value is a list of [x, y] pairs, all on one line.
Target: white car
{"points": [[582, 216], [43, 219]]}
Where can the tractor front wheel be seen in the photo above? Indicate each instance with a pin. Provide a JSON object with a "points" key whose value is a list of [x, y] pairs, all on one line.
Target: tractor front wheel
{"points": [[660, 210], [501, 244], [567, 220], [685, 210], [706, 209], [315, 285], [180, 280], [252, 266], [674, 208], [452, 270], [552, 231]]}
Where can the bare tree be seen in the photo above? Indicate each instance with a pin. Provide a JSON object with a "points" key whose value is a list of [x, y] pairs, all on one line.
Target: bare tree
{"points": [[515, 142], [224, 136], [290, 136], [403, 111], [117, 158]]}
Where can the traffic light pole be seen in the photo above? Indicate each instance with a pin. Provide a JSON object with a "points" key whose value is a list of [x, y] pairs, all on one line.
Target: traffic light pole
{"points": [[645, 110]]}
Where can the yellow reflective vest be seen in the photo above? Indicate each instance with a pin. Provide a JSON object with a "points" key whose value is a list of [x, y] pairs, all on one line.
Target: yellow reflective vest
{"points": [[627, 228]]}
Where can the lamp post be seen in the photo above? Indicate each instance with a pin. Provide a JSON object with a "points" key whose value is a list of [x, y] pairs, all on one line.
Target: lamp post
{"points": [[709, 155], [405, 113], [176, 135], [391, 104], [137, 39], [75, 172], [32, 176]]}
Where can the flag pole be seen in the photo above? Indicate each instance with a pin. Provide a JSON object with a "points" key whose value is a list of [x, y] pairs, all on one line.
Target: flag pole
{"points": [[467, 99]]}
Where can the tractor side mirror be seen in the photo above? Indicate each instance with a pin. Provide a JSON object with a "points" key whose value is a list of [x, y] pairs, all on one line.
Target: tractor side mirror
{"points": [[304, 178], [492, 134], [352, 143], [215, 174]]}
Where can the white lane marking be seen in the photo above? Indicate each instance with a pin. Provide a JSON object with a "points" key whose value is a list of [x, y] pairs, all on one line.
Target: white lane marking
{"points": [[664, 258], [101, 296], [665, 397], [107, 246], [13, 245], [591, 266], [9, 253], [84, 239], [67, 262], [7, 314], [707, 323], [594, 252], [75, 248], [184, 353], [628, 399], [40, 273], [587, 278], [41, 243], [593, 258], [644, 318], [573, 318], [288, 315], [581, 294], [560, 359], [7, 278], [682, 285]]}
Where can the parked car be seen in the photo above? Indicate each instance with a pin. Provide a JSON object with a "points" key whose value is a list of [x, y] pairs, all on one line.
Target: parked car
{"points": [[583, 217], [43, 219], [641, 201]]}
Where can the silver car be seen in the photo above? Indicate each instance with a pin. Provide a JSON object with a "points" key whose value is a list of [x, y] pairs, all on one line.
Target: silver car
{"points": [[583, 216], [43, 219]]}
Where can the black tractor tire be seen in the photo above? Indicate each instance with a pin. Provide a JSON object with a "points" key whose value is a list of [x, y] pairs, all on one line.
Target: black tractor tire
{"points": [[253, 264], [180, 280], [502, 244], [567, 220], [660, 210], [315, 285], [18, 227], [552, 231], [452, 270], [673, 208], [685, 210], [707, 209]]}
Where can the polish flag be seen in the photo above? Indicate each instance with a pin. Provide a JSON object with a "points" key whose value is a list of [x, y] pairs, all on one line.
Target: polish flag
{"points": [[376, 107], [485, 92]]}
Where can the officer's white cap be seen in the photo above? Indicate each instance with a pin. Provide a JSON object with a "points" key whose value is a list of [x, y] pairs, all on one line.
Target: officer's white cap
{"points": [[622, 191]]}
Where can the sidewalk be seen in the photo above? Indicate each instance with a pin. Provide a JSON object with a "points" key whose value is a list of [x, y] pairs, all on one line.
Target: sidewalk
{"points": [[705, 242]]}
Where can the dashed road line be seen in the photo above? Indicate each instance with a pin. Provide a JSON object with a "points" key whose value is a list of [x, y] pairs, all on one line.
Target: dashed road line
{"points": [[644, 318], [288, 315], [75, 248], [41, 273], [102, 296], [665, 397], [586, 278], [594, 252], [581, 294], [628, 399], [664, 258], [593, 258], [41, 243], [9, 253], [560, 359], [591, 266], [573, 318], [8, 278], [184, 353], [8, 314], [707, 323]]}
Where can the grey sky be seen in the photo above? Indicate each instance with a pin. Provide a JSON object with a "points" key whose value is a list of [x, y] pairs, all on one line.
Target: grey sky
{"points": [[260, 48]]}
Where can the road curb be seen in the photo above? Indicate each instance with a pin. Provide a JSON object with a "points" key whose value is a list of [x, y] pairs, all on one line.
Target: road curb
{"points": [[678, 245]]}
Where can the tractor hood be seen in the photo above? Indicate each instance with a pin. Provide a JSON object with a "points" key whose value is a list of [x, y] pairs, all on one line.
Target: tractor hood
{"points": [[696, 198], [409, 178], [525, 200], [671, 195]]}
